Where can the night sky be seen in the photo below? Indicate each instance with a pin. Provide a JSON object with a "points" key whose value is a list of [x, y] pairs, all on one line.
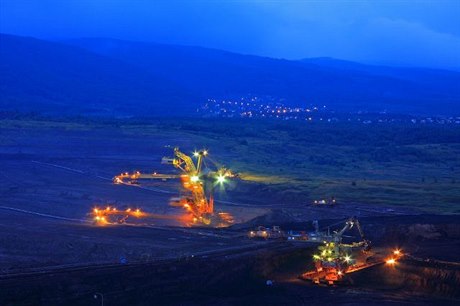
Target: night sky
{"points": [[408, 33]]}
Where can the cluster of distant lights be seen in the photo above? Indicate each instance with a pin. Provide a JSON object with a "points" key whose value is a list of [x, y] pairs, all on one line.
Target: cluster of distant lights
{"points": [[252, 108]]}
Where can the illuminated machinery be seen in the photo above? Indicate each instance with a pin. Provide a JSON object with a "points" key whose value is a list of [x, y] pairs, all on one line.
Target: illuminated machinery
{"points": [[349, 224], [112, 215], [334, 259], [266, 233], [133, 178], [194, 181]]}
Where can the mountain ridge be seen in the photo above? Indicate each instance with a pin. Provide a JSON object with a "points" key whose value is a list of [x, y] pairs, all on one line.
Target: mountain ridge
{"points": [[141, 78]]}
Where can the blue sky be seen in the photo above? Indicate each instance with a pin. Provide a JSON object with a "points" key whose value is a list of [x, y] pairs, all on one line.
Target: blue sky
{"points": [[409, 33]]}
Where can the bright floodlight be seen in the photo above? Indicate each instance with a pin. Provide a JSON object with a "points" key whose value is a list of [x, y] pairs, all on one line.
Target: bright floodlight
{"points": [[194, 178], [221, 179], [391, 261], [347, 258], [196, 154], [205, 152]]}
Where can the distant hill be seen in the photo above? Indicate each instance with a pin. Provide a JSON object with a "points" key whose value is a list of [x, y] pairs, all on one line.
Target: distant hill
{"points": [[54, 78], [341, 85], [118, 78], [440, 80]]}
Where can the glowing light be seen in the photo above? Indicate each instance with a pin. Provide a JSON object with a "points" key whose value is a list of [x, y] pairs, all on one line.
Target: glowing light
{"points": [[347, 258], [194, 178], [195, 154], [205, 152], [339, 273], [397, 252], [391, 261], [96, 210], [221, 179]]}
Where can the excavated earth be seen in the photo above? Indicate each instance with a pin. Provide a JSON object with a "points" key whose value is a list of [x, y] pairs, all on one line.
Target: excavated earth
{"points": [[51, 255], [430, 275]]}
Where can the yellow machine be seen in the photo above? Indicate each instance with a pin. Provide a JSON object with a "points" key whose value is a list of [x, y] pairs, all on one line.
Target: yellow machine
{"points": [[200, 207], [193, 180], [334, 260]]}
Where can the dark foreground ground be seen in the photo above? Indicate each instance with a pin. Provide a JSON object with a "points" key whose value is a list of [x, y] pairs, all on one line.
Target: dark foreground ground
{"points": [[238, 275], [55, 173]]}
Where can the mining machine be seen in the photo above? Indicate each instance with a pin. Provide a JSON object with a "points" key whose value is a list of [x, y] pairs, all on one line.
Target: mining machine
{"points": [[334, 258], [196, 202], [194, 178]]}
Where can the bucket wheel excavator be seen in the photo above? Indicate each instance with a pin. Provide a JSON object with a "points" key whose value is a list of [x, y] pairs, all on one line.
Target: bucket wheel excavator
{"points": [[334, 259], [194, 179], [196, 202]]}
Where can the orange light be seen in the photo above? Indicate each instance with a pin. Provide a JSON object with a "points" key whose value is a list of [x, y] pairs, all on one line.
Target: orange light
{"points": [[397, 252], [391, 261], [96, 210]]}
